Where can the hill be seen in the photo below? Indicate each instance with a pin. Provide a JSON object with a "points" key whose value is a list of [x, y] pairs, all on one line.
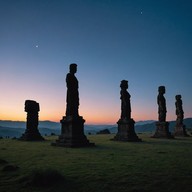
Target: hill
{"points": [[158, 165], [22, 124], [16, 128], [17, 132], [151, 126]]}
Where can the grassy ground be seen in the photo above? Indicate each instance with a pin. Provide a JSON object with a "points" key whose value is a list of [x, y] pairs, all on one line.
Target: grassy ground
{"points": [[152, 165]]}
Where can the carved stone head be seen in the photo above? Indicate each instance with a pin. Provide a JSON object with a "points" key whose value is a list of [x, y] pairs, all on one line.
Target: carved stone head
{"points": [[124, 84], [177, 97], [161, 89], [73, 68]]}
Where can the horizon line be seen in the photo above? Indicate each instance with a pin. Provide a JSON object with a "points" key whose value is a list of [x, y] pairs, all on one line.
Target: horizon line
{"points": [[91, 123]]}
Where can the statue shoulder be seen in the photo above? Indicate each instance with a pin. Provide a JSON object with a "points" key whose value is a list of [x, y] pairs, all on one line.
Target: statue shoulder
{"points": [[69, 77]]}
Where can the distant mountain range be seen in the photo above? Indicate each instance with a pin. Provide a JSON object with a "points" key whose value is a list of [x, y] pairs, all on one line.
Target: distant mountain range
{"points": [[22, 124], [17, 128]]}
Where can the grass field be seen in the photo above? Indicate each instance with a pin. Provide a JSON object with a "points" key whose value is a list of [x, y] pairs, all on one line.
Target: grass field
{"points": [[152, 165]]}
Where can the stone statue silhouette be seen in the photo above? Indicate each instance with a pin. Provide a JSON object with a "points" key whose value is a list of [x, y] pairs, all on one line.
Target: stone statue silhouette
{"points": [[180, 128], [179, 110], [126, 125], [72, 92], [162, 104], [32, 108], [125, 101], [32, 133], [162, 127], [72, 125]]}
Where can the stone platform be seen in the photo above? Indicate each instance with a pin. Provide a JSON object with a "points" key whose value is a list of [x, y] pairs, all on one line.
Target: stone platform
{"points": [[72, 133], [31, 135], [126, 131], [162, 131], [180, 131]]}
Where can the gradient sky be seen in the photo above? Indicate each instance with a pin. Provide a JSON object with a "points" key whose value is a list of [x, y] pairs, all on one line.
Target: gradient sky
{"points": [[147, 42]]}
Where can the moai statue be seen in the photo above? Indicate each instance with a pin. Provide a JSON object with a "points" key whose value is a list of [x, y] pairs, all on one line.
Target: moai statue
{"points": [[126, 129], [180, 129], [72, 125], [162, 127], [32, 132]]}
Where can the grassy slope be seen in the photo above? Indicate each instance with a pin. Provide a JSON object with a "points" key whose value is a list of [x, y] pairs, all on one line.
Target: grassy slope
{"points": [[153, 165]]}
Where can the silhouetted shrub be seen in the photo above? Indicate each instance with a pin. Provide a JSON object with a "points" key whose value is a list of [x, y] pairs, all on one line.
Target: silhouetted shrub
{"points": [[46, 178], [2, 161], [10, 168], [104, 131]]}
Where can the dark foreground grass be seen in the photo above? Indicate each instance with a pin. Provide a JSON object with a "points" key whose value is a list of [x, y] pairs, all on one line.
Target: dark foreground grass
{"points": [[152, 165]]}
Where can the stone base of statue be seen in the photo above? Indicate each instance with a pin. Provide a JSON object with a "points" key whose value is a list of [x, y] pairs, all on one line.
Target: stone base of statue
{"points": [[180, 131], [126, 131], [31, 135], [162, 131], [72, 133]]}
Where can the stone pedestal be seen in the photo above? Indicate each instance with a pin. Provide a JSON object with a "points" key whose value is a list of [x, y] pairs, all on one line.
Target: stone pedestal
{"points": [[126, 131], [180, 131], [31, 135], [72, 133], [162, 130]]}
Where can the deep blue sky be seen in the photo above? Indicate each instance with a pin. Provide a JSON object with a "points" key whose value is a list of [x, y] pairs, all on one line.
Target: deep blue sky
{"points": [[147, 42]]}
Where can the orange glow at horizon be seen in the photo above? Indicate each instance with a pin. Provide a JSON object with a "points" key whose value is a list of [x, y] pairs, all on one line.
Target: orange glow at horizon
{"points": [[89, 119], [92, 113]]}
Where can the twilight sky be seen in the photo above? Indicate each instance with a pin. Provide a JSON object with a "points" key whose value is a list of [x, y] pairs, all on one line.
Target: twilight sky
{"points": [[147, 42]]}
